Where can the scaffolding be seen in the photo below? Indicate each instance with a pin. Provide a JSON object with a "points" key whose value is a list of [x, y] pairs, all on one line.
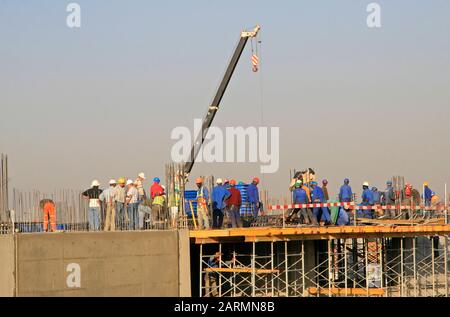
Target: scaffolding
{"points": [[369, 265]]}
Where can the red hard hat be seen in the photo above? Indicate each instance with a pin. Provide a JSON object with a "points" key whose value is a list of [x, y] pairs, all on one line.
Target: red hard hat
{"points": [[256, 180], [232, 182]]}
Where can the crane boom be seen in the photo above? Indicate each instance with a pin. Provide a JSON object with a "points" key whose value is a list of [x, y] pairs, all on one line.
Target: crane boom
{"points": [[212, 109]]}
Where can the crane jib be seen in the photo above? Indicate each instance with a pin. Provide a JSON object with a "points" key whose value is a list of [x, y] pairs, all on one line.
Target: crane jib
{"points": [[212, 109]]}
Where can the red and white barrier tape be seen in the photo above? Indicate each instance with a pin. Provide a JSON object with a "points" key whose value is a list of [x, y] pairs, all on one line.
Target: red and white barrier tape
{"points": [[353, 206]]}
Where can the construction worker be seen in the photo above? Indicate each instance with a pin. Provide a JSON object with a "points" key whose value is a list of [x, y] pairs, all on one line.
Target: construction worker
{"points": [[325, 190], [300, 197], [156, 188], [139, 186], [108, 198], [317, 197], [234, 203], [345, 192], [132, 201], [158, 213], [253, 197], [226, 183], [49, 210], [427, 194], [120, 204], [219, 195], [92, 194], [367, 200], [202, 204], [388, 199], [212, 277], [376, 196]]}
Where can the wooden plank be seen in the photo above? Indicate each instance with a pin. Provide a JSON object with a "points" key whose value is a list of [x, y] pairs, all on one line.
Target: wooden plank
{"points": [[348, 291], [240, 270]]}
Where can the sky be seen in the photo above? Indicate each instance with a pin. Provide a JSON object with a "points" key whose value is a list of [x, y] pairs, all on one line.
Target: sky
{"points": [[100, 101]]}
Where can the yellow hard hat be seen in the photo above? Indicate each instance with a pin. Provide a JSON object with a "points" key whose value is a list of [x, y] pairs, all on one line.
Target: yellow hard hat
{"points": [[121, 180], [425, 184]]}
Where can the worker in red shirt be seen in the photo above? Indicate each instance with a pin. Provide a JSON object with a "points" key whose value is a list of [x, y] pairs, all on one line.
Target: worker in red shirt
{"points": [[49, 210], [156, 189], [234, 203]]}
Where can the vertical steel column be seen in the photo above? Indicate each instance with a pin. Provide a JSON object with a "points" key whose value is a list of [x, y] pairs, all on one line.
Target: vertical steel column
{"points": [[415, 267], [366, 260], [220, 266], [380, 254], [201, 271], [329, 267], [234, 273], [253, 269], [401, 267], [286, 267], [272, 268], [345, 268], [432, 266], [303, 268], [446, 265]]}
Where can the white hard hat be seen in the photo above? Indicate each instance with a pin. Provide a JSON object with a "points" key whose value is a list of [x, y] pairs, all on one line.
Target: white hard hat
{"points": [[129, 182], [95, 183], [112, 181], [366, 184], [219, 181], [141, 175]]}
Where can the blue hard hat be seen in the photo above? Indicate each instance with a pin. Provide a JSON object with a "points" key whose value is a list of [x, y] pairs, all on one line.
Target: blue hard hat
{"points": [[313, 183], [156, 180], [346, 180]]}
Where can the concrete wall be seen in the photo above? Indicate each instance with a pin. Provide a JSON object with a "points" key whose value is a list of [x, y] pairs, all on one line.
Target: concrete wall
{"points": [[142, 263], [7, 265]]}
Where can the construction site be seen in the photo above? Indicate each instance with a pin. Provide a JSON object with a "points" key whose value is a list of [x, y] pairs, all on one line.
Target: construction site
{"points": [[270, 255]]}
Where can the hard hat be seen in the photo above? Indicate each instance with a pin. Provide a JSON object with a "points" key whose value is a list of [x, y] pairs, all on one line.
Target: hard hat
{"points": [[156, 180], [389, 182], [141, 175], [425, 184], [232, 182], [241, 183], [95, 183], [199, 180], [324, 182], [112, 182], [129, 182], [219, 181], [226, 181], [366, 184], [121, 180], [256, 180], [346, 181], [298, 184]]}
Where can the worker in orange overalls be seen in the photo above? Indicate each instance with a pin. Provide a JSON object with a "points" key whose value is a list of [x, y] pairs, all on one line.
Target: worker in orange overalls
{"points": [[49, 209]]}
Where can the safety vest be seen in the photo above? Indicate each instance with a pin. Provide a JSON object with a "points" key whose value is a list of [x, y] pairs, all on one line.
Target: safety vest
{"points": [[200, 197]]}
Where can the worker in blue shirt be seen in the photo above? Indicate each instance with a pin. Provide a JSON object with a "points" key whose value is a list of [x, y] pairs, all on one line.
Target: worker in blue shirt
{"points": [[427, 194], [253, 196], [301, 197], [345, 193], [318, 197], [376, 196], [367, 200], [219, 195]]}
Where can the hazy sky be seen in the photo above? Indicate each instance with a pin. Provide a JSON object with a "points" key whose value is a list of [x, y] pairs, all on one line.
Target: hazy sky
{"points": [[100, 101]]}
